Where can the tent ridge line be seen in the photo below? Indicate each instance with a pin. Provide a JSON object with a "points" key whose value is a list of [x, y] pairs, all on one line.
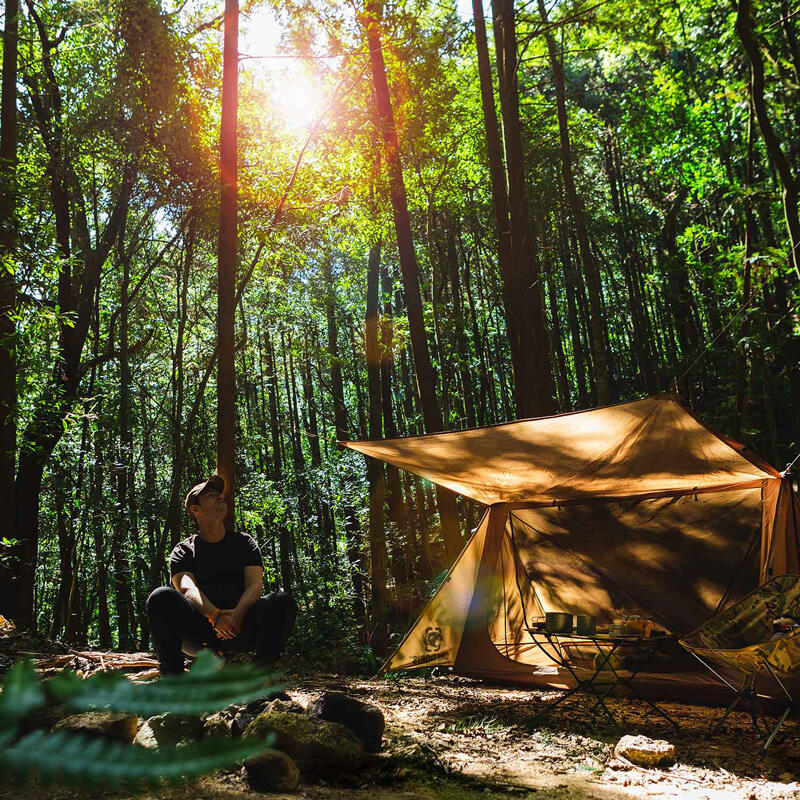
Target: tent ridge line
{"points": [[661, 395], [685, 492]]}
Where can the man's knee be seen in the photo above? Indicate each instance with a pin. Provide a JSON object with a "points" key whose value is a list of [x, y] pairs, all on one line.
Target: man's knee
{"points": [[282, 604], [165, 597]]}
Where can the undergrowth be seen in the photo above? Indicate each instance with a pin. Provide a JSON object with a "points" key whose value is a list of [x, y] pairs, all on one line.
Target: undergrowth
{"points": [[78, 759]]}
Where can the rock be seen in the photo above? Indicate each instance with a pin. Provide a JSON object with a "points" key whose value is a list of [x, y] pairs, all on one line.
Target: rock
{"points": [[645, 752], [100, 724], [321, 749], [286, 706], [364, 720], [43, 718], [272, 771], [216, 726], [169, 730]]}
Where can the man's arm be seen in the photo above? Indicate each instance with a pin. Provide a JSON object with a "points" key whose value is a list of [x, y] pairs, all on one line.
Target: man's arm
{"points": [[253, 581], [186, 584]]}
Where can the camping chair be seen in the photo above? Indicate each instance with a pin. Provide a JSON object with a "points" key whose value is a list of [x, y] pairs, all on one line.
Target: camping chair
{"points": [[739, 641]]}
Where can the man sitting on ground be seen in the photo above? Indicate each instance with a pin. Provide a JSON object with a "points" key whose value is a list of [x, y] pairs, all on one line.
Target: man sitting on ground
{"points": [[216, 601]]}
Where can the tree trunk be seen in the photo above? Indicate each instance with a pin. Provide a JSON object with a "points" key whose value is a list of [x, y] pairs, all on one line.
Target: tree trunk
{"points": [[8, 291], [121, 536], [352, 526], [426, 377], [778, 159], [749, 236], [226, 259], [377, 533], [533, 386], [590, 269]]}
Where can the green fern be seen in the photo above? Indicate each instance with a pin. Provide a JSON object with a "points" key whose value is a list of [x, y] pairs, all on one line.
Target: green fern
{"points": [[22, 694], [206, 687], [75, 758]]}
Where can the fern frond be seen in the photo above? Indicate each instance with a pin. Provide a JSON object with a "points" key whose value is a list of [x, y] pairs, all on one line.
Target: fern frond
{"points": [[22, 693], [76, 759], [204, 688]]}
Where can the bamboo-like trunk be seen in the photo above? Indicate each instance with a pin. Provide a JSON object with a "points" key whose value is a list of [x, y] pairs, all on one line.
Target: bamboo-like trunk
{"points": [[8, 290], [426, 377], [533, 379], [778, 159], [226, 258], [377, 484]]}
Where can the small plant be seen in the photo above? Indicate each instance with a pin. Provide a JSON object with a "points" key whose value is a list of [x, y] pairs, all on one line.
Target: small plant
{"points": [[475, 724], [78, 759]]}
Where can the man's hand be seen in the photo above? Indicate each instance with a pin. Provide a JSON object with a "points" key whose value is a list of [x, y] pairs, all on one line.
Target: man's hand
{"points": [[226, 627], [237, 615]]}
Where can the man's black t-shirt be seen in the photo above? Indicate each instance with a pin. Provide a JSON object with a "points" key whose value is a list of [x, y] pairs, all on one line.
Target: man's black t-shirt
{"points": [[218, 568]]}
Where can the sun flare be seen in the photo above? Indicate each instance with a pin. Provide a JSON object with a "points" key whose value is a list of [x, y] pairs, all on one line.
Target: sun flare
{"points": [[298, 102], [296, 99]]}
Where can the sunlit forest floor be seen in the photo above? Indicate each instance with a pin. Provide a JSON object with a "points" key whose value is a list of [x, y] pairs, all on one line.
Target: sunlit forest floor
{"points": [[451, 737]]}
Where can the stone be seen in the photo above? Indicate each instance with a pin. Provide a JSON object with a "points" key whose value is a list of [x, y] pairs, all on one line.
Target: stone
{"points": [[364, 720], [322, 750], [286, 706], [646, 752], [272, 771], [43, 718], [169, 730], [216, 726], [100, 724]]}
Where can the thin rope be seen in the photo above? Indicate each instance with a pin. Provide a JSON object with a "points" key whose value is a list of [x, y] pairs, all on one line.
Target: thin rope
{"points": [[788, 469]]}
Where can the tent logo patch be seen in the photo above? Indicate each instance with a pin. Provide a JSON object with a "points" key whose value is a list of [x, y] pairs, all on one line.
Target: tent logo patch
{"points": [[428, 658], [432, 639]]}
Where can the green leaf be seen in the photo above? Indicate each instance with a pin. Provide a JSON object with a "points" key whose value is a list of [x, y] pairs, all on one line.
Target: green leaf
{"points": [[204, 688], [22, 693], [76, 759]]}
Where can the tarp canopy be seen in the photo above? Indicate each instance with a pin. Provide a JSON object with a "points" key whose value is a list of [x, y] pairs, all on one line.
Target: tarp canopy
{"points": [[634, 509], [645, 448]]}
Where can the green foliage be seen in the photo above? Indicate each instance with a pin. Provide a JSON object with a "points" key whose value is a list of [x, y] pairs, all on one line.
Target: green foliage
{"points": [[206, 687], [479, 724], [74, 758]]}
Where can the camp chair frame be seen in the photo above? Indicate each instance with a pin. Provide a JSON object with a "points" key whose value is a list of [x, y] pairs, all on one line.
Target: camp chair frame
{"points": [[747, 694], [751, 659]]}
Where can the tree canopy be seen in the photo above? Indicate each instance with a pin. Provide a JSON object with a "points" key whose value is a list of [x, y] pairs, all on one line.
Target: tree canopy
{"points": [[587, 203]]}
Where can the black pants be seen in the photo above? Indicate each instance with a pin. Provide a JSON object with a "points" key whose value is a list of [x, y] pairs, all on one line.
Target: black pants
{"points": [[179, 626]]}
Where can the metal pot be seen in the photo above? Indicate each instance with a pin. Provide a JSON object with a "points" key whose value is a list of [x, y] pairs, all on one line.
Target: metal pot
{"points": [[584, 625], [558, 622]]}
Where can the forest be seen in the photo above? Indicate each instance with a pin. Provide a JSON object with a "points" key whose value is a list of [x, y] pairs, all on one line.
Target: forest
{"points": [[433, 216]]}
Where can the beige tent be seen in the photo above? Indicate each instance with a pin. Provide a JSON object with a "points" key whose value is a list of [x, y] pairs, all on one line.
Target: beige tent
{"points": [[633, 509]]}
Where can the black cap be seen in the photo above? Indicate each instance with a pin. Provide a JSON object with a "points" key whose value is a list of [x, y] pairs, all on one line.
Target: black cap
{"points": [[215, 483]]}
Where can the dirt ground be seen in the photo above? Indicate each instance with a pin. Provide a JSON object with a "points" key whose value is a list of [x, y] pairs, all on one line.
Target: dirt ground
{"points": [[488, 738], [457, 739]]}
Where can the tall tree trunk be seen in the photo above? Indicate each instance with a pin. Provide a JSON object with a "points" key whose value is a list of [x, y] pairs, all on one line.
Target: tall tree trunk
{"points": [[226, 258], [352, 526], [426, 377], [590, 269], [377, 486], [121, 538], [533, 388], [395, 493], [778, 159], [749, 236], [8, 291]]}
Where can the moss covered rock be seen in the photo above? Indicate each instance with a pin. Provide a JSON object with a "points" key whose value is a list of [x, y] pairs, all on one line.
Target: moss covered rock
{"points": [[363, 719], [322, 750], [272, 771], [169, 730], [100, 724]]}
